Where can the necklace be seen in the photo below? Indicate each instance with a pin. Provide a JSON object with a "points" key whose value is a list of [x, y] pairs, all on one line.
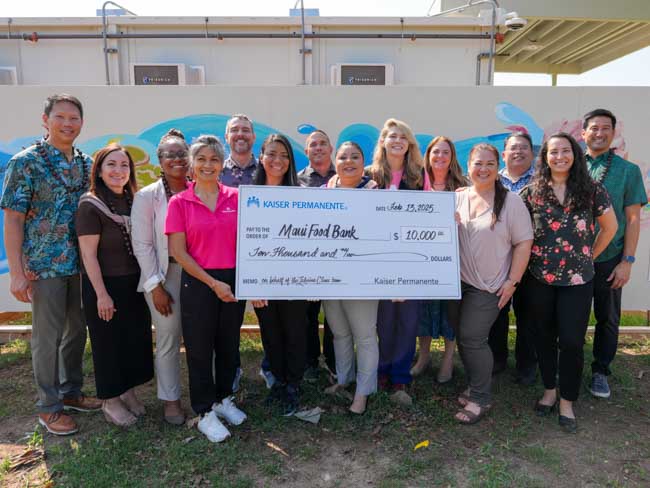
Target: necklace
{"points": [[83, 183], [608, 164], [168, 191], [125, 232]]}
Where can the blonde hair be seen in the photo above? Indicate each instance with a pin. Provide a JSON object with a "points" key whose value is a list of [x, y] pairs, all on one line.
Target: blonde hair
{"points": [[380, 169]]}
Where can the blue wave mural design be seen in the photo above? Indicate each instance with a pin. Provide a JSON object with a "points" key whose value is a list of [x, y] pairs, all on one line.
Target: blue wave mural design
{"points": [[192, 126]]}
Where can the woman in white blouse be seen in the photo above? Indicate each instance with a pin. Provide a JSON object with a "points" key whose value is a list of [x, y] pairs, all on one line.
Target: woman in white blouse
{"points": [[160, 278]]}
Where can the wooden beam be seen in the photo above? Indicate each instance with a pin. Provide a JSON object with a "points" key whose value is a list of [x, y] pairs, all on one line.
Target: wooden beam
{"points": [[590, 28], [622, 49], [596, 46], [558, 37], [545, 68], [548, 27]]}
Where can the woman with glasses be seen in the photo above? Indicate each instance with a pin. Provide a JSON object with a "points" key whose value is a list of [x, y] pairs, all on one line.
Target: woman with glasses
{"points": [[160, 277]]}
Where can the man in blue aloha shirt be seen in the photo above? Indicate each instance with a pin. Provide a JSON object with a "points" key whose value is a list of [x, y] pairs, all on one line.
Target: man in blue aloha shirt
{"points": [[624, 183], [40, 193], [518, 156]]}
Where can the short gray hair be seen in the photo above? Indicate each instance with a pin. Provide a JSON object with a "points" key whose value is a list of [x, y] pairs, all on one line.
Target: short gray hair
{"points": [[207, 140], [239, 117]]}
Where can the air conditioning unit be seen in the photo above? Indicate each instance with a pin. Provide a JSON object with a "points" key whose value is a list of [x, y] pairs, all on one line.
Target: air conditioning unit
{"points": [[166, 74], [362, 74], [8, 75]]}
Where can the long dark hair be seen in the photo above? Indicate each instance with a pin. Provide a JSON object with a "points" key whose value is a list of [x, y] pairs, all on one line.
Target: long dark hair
{"points": [[290, 177], [97, 185], [500, 191], [579, 186]]}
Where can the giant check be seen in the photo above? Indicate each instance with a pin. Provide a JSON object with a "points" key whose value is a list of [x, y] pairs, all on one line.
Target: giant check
{"points": [[339, 243]]}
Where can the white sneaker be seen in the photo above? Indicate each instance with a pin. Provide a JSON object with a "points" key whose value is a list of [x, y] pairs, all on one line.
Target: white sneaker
{"points": [[212, 427], [227, 410]]}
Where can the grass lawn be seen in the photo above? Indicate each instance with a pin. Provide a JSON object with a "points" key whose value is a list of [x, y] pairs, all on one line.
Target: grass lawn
{"points": [[510, 447]]}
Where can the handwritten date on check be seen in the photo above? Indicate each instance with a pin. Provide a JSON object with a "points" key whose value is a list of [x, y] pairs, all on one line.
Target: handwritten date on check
{"points": [[297, 243]]}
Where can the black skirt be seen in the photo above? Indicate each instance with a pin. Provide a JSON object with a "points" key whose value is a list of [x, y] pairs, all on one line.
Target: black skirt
{"points": [[122, 347]]}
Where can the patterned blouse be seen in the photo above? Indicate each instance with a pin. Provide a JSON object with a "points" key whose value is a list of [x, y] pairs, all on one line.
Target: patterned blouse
{"points": [[563, 241]]}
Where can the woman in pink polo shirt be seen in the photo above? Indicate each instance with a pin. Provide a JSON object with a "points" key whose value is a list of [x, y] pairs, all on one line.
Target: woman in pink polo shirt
{"points": [[283, 323], [202, 228]]}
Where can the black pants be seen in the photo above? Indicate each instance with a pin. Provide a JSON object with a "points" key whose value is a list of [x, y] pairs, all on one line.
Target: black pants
{"points": [[559, 316], [210, 330], [525, 356], [283, 324], [607, 309], [313, 339], [122, 348]]}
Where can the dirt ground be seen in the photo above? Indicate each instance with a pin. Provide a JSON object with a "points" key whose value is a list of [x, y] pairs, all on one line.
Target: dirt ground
{"points": [[511, 447]]}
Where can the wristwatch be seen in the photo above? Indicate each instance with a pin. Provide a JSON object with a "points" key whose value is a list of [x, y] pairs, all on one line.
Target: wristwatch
{"points": [[628, 259]]}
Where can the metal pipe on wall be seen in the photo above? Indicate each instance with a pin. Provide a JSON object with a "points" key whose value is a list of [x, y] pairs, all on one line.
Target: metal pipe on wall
{"points": [[237, 35]]}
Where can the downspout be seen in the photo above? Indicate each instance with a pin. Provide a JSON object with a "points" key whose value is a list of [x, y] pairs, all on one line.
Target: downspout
{"points": [[105, 36], [471, 3], [302, 35]]}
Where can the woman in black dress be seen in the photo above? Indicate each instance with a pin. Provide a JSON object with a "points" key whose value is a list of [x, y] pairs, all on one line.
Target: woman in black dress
{"points": [[117, 315]]}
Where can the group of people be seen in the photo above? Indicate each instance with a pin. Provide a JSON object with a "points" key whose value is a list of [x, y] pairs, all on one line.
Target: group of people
{"points": [[549, 238]]}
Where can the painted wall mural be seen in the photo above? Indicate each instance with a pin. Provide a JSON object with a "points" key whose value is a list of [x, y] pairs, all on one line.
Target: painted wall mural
{"points": [[142, 146]]}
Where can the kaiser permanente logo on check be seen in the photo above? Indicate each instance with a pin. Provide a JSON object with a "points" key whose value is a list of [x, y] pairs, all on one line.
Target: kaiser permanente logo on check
{"points": [[346, 244]]}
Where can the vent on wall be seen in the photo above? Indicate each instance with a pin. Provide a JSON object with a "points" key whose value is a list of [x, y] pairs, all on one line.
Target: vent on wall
{"points": [[8, 75], [166, 74], [362, 74]]}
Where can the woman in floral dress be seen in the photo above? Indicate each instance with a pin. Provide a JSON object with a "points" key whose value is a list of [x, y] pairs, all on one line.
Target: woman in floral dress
{"points": [[565, 205]]}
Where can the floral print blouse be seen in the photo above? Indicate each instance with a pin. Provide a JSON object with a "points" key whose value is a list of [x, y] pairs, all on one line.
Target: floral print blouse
{"points": [[563, 238]]}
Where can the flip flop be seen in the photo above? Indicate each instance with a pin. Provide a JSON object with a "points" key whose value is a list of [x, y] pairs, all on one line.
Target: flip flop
{"points": [[471, 416]]}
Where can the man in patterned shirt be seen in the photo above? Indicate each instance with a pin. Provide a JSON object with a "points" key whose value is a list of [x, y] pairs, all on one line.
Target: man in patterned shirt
{"points": [[239, 169], [624, 183], [40, 194], [241, 165], [518, 156]]}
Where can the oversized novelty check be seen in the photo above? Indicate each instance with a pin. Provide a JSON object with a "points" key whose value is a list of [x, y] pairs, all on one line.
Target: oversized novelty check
{"points": [[348, 244]]}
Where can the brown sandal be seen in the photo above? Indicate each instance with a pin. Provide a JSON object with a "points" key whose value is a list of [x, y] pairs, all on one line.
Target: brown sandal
{"points": [[472, 417]]}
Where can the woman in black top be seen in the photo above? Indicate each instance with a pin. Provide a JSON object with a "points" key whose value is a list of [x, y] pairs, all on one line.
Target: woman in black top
{"points": [[283, 323], [117, 316], [565, 204]]}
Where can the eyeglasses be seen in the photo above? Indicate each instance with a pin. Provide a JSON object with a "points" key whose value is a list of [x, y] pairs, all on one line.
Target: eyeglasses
{"points": [[173, 155]]}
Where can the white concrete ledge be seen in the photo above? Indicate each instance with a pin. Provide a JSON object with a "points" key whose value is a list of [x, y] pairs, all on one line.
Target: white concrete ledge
{"points": [[10, 332]]}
